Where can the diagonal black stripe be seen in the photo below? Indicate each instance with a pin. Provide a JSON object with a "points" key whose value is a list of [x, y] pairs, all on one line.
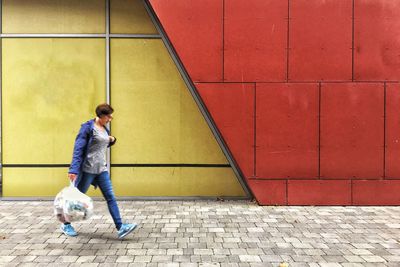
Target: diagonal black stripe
{"points": [[35, 165], [173, 165]]}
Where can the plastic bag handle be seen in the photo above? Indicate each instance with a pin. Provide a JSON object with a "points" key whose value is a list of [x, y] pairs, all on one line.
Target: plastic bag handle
{"points": [[72, 183]]}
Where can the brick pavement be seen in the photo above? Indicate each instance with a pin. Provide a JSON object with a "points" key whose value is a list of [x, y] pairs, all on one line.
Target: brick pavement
{"points": [[203, 233]]}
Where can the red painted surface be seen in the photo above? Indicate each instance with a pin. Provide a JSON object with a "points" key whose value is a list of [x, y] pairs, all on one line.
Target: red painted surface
{"points": [[319, 192], [248, 40], [376, 40], [269, 192], [287, 130], [195, 30], [232, 108], [392, 131], [320, 40], [376, 192], [352, 130], [255, 40]]}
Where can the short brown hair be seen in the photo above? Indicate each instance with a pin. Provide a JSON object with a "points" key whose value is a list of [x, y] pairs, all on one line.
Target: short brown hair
{"points": [[104, 110]]}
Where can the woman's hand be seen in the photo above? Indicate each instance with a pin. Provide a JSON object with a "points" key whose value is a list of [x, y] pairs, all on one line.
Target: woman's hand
{"points": [[112, 138], [72, 177]]}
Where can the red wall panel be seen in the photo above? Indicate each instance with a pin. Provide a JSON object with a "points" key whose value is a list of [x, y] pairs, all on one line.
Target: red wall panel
{"points": [[269, 192], [319, 192], [392, 166], [376, 40], [352, 130], [195, 30], [255, 40], [287, 130], [232, 108], [320, 40], [376, 192]]}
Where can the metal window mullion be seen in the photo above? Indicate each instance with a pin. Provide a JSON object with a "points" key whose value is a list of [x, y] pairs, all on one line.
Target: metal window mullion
{"points": [[78, 35], [1, 99], [108, 96], [135, 36], [197, 99], [53, 35]]}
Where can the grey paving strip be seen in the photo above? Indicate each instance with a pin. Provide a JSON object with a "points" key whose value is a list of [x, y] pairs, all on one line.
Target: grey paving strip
{"points": [[203, 233]]}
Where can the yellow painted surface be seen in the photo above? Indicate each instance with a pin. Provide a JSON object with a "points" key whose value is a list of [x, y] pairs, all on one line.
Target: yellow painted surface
{"points": [[50, 86], [175, 182], [156, 118], [130, 16], [37, 182], [53, 16]]}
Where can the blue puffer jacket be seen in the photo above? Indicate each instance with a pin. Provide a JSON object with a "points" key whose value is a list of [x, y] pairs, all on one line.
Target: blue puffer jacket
{"points": [[82, 142]]}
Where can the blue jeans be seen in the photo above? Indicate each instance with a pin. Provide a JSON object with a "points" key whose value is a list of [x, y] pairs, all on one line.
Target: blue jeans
{"points": [[104, 182]]}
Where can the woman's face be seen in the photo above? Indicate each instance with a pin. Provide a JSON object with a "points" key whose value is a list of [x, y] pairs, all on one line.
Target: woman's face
{"points": [[105, 119]]}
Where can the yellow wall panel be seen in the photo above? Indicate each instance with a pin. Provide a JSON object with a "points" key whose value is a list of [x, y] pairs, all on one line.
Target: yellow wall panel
{"points": [[156, 118], [50, 86], [130, 16], [210, 182], [53, 16], [175, 182], [197, 143], [37, 182]]}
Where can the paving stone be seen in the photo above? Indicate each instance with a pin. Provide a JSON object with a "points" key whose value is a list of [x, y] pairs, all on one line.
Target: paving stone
{"points": [[302, 245], [84, 259], [353, 258], [203, 252], [125, 259], [174, 251], [100, 259], [47, 259], [142, 258], [230, 264], [271, 258], [352, 264], [373, 259], [38, 252], [136, 252], [329, 264], [214, 264], [83, 264], [299, 264], [249, 258], [362, 245], [361, 252], [21, 259], [28, 264], [336, 258], [162, 258], [67, 259], [392, 258]]}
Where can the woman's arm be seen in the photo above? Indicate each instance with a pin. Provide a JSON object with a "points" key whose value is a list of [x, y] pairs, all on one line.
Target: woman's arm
{"points": [[112, 140], [81, 141]]}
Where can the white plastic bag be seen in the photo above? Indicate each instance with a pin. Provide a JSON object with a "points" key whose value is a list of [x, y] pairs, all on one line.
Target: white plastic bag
{"points": [[72, 205]]}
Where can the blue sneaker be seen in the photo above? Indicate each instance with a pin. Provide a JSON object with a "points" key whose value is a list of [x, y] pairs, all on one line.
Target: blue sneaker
{"points": [[125, 229], [68, 230]]}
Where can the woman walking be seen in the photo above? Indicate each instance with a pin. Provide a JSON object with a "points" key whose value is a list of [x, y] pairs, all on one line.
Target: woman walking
{"points": [[89, 166]]}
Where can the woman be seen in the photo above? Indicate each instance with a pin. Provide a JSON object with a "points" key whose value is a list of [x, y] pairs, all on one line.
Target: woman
{"points": [[89, 166]]}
